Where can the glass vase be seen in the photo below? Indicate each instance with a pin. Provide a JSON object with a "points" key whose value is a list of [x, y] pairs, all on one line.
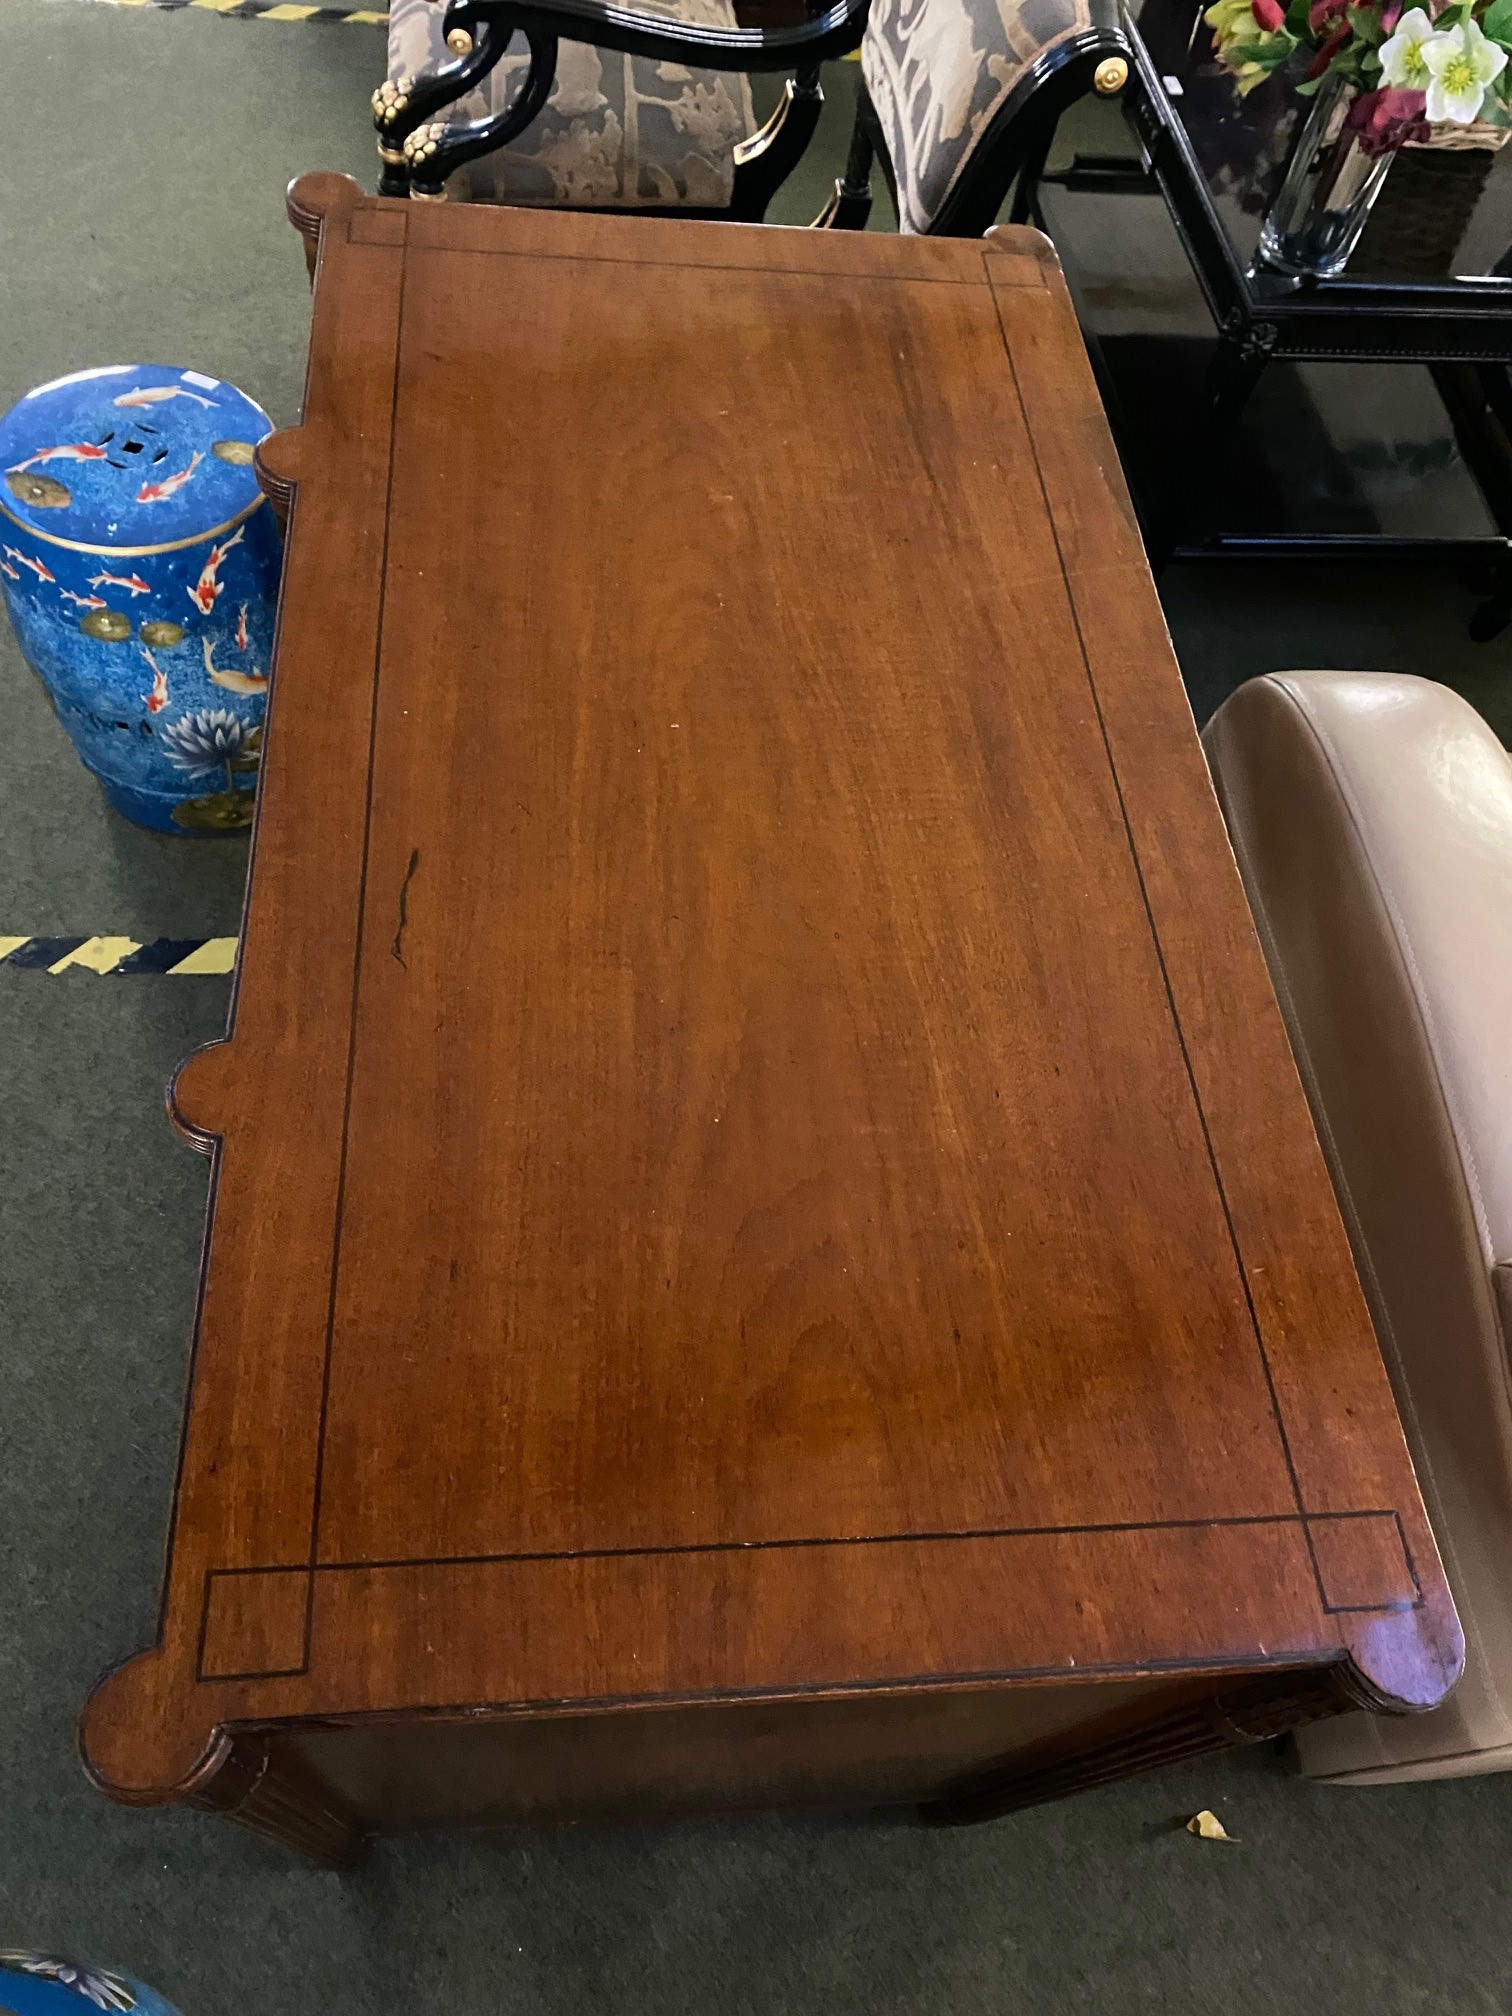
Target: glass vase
{"points": [[1324, 200]]}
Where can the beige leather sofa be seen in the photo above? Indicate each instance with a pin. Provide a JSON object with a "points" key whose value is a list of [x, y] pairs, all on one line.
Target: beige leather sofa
{"points": [[1372, 820]]}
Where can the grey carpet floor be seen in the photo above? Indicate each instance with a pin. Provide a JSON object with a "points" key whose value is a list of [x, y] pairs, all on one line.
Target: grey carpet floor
{"points": [[142, 160]]}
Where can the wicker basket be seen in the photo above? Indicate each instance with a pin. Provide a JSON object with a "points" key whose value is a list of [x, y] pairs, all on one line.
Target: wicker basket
{"points": [[1425, 206]]}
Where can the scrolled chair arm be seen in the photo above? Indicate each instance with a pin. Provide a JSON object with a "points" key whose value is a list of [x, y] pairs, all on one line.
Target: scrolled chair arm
{"points": [[435, 150], [403, 105]]}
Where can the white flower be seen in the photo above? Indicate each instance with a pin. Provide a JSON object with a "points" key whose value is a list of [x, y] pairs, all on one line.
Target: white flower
{"points": [[1402, 64], [1460, 66], [206, 742]]}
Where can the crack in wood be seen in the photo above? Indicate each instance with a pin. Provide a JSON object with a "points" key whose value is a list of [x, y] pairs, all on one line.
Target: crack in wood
{"points": [[397, 948]]}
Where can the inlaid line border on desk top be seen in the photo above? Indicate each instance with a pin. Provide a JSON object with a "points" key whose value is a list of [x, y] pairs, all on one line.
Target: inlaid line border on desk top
{"points": [[360, 935], [820, 275], [213, 1145], [1178, 1030], [758, 269], [983, 277], [313, 1565], [423, 1563]]}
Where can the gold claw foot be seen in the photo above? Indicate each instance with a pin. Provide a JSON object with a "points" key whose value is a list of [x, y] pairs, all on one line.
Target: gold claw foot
{"points": [[390, 99], [423, 142]]}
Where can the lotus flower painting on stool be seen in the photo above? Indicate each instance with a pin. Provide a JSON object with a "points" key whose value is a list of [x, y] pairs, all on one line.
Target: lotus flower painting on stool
{"points": [[43, 1984]]}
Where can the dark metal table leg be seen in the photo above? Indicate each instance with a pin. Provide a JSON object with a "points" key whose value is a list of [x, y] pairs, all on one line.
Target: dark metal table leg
{"points": [[1026, 204], [1495, 613], [1478, 400], [1242, 354]]}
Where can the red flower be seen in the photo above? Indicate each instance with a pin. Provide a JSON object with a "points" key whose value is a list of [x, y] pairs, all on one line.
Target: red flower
{"points": [[1269, 14], [1329, 50], [1384, 120], [1391, 13], [1322, 12]]}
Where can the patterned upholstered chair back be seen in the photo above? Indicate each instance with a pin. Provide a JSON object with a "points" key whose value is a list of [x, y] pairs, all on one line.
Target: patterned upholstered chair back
{"points": [[962, 92]]}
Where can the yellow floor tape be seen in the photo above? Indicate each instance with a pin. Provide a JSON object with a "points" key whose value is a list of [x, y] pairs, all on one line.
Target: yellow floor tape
{"points": [[263, 10], [117, 955]]}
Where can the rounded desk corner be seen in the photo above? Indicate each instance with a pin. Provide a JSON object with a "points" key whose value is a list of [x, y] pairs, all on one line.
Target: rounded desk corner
{"points": [[1404, 1662], [137, 1741], [276, 463], [311, 198], [197, 1095], [1022, 243]]}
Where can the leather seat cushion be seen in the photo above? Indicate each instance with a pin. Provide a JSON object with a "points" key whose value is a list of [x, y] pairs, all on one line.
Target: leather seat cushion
{"points": [[1372, 820]]}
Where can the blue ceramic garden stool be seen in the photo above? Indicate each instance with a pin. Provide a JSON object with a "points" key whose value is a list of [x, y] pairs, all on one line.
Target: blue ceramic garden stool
{"points": [[140, 566], [40, 1984]]}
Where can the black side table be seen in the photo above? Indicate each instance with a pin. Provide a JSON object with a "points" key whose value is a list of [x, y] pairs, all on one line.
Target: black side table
{"points": [[1214, 158]]}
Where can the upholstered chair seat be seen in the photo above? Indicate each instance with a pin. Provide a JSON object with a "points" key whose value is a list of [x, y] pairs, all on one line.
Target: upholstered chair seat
{"points": [[617, 131], [1372, 821]]}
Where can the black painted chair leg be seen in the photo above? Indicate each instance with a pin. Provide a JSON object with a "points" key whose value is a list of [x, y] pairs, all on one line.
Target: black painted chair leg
{"points": [[849, 208], [393, 171], [765, 161], [1026, 204]]}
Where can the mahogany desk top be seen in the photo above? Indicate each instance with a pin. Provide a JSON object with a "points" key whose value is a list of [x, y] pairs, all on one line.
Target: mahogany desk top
{"points": [[765, 1240]]}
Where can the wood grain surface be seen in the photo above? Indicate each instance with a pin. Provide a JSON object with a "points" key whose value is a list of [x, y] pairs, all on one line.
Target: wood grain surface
{"points": [[755, 1160]]}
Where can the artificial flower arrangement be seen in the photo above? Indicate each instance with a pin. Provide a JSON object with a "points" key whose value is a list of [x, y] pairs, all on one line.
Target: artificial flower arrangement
{"points": [[1408, 71]]}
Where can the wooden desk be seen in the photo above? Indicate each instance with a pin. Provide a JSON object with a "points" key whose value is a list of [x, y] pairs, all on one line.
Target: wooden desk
{"points": [[766, 1246]]}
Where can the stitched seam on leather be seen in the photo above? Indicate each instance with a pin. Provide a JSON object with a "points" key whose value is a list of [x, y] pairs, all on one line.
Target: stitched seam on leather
{"points": [[1502, 1271], [1348, 1207], [1421, 997]]}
